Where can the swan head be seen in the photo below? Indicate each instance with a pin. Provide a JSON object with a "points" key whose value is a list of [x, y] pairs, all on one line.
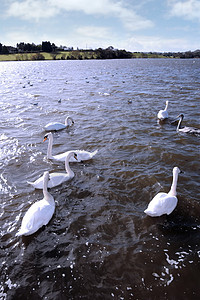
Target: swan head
{"points": [[176, 170], [46, 136], [67, 123], [180, 116], [69, 155]]}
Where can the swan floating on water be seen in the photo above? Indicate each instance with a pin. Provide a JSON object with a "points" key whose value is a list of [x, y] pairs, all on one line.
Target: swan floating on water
{"points": [[186, 129], [81, 154], [40, 213], [163, 114], [58, 126], [164, 203], [56, 179]]}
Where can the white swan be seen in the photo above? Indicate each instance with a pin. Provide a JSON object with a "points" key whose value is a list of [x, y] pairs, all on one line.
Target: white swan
{"points": [[58, 126], [56, 178], [81, 154], [186, 129], [164, 203], [163, 114], [40, 213]]}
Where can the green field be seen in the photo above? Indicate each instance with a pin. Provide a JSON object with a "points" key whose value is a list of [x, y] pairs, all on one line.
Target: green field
{"points": [[49, 56], [76, 54]]}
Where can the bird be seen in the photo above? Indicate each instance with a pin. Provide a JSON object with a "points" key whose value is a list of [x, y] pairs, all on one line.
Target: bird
{"points": [[55, 126], [40, 213], [163, 114], [164, 203], [186, 129], [81, 154], [56, 178]]}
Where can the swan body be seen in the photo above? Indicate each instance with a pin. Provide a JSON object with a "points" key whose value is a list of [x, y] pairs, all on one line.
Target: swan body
{"points": [[186, 129], [164, 203], [56, 179], [40, 213], [58, 126], [81, 154], [163, 114]]}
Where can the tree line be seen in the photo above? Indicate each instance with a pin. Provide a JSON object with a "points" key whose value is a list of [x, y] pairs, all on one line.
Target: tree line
{"points": [[27, 47], [108, 53]]}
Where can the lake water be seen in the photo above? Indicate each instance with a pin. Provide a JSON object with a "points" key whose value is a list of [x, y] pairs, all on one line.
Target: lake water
{"points": [[99, 243]]}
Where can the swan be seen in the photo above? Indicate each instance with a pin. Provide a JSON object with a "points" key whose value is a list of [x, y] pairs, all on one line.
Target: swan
{"points": [[56, 178], [81, 154], [186, 129], [164, 203], [163, 114], [58, 126], [40, 213]]}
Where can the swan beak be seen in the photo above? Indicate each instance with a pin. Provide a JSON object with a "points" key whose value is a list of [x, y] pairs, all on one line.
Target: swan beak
{"points": [[75, 156], [45, 138]]}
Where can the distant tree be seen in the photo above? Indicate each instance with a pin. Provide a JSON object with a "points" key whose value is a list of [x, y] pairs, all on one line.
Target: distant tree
{"points": [[46, 47], [0, 48], [4, 50], [54, 47], [20, 46]]}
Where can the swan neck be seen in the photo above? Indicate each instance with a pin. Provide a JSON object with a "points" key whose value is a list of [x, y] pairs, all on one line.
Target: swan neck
{"points": [[166, 105], [47, 196], [179, 124], [49, 149], [172, 191], [67, 121], [67, 167]]}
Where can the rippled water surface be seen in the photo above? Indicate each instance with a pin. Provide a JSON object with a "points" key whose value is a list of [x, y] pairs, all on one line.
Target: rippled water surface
{"points": [[99, 243]]}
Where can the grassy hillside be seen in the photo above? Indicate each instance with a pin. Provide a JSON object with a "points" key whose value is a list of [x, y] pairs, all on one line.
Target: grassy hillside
{"points": [[76, 54]]}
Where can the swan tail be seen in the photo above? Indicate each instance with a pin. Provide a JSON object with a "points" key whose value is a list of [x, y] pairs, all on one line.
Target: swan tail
{"points": [[20, 233], [150, 213], [94, 153], [30, 182]]}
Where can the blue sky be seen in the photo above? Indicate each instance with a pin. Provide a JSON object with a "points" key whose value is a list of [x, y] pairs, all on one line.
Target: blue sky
{"points": [[144, 25]]}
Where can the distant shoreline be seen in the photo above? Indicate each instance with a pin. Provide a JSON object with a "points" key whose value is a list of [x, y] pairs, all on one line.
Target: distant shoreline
{"points": [[74, 55], [92, 54]]}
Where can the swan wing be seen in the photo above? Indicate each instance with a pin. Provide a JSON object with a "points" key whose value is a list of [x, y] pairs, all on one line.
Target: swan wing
{"points": [[54, 126], [58, 178], [61, 156], [170, 204], [189, 130], [38, 214], [54, 180], [162, 114], [161, 204], [81, 155], [156, 206], [37, 184]]}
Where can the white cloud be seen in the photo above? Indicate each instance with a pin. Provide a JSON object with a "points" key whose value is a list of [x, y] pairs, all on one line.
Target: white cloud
{"points": [[189, 9], [40, 9], [31, 10], [93, 32], [157, 44], [18, 35]]}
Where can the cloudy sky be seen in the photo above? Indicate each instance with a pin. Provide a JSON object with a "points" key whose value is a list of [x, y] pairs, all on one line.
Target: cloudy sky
{"points": [[144, 25]]}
